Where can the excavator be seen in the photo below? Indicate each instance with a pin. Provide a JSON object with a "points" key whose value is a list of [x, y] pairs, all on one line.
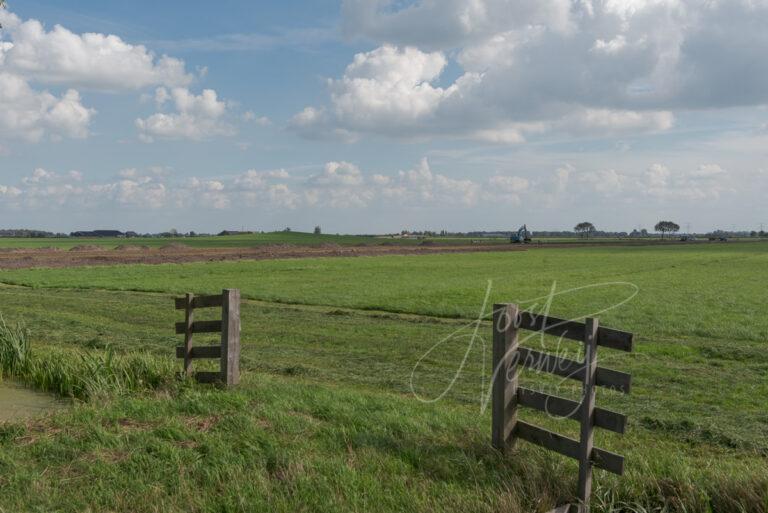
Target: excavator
{"points": [[523, 236]]}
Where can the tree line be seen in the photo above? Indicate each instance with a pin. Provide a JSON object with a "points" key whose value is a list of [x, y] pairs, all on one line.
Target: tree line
{"points": [[586, 229]]}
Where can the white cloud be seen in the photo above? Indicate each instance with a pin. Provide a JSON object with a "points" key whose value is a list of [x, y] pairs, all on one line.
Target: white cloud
{"points": [[706, 182], [250, 116], [606, 181], [422, 186], [9, 192], [31, 115], [344, 185], [538, 66], [144, 192], [95, 61], [339, 174], [612, 46], [708, 171], [208, 193], [197, 117], [507, 183], [448, 23], [657, 176]]}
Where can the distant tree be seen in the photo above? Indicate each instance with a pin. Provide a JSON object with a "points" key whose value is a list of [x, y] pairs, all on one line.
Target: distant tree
{"points": [[174, 232], [584, 228], [762, 233], [666, 227], [753, 233], [287, 229], [318, 230]]}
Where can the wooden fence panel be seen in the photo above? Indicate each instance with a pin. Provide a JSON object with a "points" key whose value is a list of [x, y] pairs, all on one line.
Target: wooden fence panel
{"points": [[561, 407], [507, 396], [228, 352]]}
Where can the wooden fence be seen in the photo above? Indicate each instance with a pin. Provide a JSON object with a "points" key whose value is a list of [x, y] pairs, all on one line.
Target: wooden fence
{"points": [[507, 396], [228, 351]]}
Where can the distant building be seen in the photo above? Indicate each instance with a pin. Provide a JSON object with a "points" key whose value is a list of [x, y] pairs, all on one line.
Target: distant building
{"points": [[98, 233], [233, 232]]}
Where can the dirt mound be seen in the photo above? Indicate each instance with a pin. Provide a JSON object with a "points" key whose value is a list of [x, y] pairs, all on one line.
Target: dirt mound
{"points": [[175, 246], [87, 247], [329, 245], [131, 247], [48, 249]]}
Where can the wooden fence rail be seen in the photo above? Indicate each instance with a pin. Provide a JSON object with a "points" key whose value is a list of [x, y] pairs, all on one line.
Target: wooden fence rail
{"points": [[228, 352], [507, 396]]}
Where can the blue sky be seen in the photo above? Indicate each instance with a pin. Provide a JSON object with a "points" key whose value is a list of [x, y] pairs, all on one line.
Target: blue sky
{"points": [[375, 116]]}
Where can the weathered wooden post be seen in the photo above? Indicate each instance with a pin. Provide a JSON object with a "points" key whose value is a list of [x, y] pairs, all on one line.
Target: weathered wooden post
{"points": [[586, 441], [504, 387], [230, 337], [228, 351], [189, 312]]}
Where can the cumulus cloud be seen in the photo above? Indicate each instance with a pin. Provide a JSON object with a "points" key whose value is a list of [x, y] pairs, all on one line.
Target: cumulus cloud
{"points": [[530, 67], [705, 182], [345, 185], [32, 115], [336, 185], [196, 117], [251, 117], [90, 60], [442, 24], [32, 56], [208, 193]]}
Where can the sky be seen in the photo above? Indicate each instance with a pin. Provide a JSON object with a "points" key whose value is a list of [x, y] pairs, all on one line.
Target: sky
{"points": [[375, 116]]}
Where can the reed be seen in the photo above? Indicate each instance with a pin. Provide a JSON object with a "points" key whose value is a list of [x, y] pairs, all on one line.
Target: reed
{"points": [[78, 374]]}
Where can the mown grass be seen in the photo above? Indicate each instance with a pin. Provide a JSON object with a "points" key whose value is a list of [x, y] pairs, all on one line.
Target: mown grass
{"points": [[678, 291], [279, 444], [326, 421], [326, 418]]}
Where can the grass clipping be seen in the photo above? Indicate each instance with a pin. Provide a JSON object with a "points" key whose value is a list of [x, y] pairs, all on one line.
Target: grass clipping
{"points": [[77, 374]]}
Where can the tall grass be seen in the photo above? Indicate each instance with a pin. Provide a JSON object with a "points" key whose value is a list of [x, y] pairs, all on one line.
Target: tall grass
{"points": [[77, 374], [14, 347]]}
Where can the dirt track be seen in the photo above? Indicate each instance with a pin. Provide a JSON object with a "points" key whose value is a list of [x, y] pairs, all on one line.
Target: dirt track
{"points": [[82, 256], [178, 253]]}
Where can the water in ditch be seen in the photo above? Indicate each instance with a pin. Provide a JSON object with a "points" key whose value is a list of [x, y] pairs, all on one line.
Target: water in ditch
{"points": [[20, 403]]}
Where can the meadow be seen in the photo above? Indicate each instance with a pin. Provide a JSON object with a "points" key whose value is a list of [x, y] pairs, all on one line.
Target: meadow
{"points": [[282, 237], [334, 414], [228, 241]]}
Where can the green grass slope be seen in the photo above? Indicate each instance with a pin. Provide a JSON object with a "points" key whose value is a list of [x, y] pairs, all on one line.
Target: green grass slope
{"points": [[335, 415]]}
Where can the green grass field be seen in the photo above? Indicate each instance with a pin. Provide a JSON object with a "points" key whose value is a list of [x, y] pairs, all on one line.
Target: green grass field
{"points": [[295, 238], [235, 241], [328, 417], [229, 241]]}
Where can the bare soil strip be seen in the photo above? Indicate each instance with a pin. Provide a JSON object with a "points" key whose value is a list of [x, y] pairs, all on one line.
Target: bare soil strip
{"points": [[22, 259], [179, 253]]}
